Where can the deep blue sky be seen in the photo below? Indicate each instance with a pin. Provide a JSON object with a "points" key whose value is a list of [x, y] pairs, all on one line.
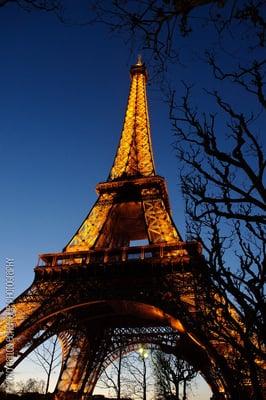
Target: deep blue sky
{"points": [[62, 102]]}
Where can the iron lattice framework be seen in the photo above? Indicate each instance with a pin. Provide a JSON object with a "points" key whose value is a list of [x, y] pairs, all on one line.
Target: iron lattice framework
{"points": [[101, 294]]}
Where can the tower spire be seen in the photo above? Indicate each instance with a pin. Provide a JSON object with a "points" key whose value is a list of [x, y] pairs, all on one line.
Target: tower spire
{"points": [[134, 155], [139, 61]]}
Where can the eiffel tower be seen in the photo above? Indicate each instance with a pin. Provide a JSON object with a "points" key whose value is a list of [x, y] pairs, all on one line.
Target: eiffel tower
{"points": [[104, 294]]}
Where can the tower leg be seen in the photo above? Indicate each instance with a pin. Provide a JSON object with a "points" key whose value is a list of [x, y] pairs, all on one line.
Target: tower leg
{"points": [[72, 369], [81, 367]]}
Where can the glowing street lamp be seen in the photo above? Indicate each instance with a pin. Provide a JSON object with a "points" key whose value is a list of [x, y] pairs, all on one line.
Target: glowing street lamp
{"points": [[143, 352]]}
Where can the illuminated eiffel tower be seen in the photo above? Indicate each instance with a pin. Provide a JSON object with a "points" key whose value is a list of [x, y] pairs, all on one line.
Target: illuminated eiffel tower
{"points": [[102, 293]]}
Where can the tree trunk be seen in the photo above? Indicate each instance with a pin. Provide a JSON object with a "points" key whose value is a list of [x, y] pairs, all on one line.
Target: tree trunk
{"points": [[184, 389], [144, 379], [119, 376], [50, 367]]}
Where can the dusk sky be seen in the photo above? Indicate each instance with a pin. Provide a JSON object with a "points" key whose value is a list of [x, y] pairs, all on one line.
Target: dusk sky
{"points": [[62, 102]]}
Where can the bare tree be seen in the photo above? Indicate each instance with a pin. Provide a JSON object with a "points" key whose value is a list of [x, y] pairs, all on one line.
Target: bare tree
{"points": [[31, 385], [138, 377], [128, 376], [158, 27], [111, 377], [154, 24], [172, 374], [8, 387], [223, 184], [48, 356], [43, 5]]}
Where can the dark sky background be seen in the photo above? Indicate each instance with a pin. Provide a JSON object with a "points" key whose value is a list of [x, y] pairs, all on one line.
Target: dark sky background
{"points": [[63, 95]]}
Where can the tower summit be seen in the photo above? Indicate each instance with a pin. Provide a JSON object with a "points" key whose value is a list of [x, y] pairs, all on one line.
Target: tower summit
{"points": [[134, 155]]}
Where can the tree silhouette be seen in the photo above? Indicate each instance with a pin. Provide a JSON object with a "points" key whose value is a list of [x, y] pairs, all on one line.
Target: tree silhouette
{"points": [[48, 357], [173, 375]]}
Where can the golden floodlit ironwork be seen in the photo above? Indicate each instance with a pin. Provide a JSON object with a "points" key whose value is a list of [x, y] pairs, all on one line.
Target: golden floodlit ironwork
{"points": [[103, 295], [114, 220], [134, 156]]}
